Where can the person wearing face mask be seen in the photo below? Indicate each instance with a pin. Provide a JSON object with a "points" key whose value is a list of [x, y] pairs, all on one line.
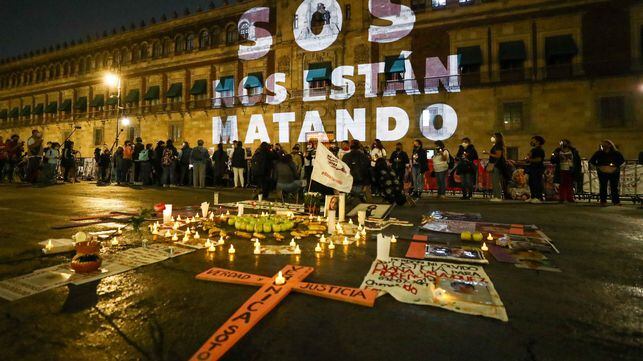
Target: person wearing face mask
{"points": [[608, 161], [466, 168], [568, 168], [441, 167], [419, 167], [344, 148], [497, 166], [399, 161], [377, 151], [536, 168]]}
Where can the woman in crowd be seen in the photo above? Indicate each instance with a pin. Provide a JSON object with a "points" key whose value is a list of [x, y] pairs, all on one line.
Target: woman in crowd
{"points": [[441, 167], [118, 164], [262, 167], [467, 168], [145, 159], [359, 165], [156, 162], [238, 164], [419, 167], [168, 162], [608, 161], [399, 161], [104, 162], [497, 166], [536, 168], [568, 168], [220, 164], [52, 155], [68, 162], [286, 175]]}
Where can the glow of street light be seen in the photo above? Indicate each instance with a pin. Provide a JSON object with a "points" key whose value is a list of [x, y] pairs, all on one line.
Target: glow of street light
{"points": [[111, 80], [125, 121]]}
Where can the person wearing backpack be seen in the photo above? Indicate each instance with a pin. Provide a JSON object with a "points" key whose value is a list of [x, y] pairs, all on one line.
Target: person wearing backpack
{"points": [[145, 160], [466, 167], [198, 158], [441, 161], [168, 163]]}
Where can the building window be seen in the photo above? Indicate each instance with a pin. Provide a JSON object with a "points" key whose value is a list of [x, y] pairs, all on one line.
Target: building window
{"points": [[214, 37], [559, 54], [99, 134], [175, 132], [204, 39], [511, 56], [512, 153], [231, 35], [512, 116], [612, 111], [465, 2], [438, 4], [189, 43], [318, 76], [166, 47], [347, 11], [179, 44], [132, 133], [244, 30], [143, 51], [157, 49], [470, 60]]}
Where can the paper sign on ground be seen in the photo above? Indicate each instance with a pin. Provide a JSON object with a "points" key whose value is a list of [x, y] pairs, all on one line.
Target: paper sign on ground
{"points": [[466, 288]]}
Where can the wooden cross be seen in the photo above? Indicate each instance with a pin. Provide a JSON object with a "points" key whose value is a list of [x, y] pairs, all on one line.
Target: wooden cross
{"points": [[267, 298]]}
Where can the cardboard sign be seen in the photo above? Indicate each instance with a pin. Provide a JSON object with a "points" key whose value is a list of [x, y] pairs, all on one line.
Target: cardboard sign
{"points": [[267, 298]]}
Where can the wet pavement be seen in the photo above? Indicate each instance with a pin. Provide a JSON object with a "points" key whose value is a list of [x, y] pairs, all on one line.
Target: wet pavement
{"points": [[591, 311]]}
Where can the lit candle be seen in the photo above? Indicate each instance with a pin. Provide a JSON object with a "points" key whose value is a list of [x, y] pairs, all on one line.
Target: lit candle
{"points": [[211, 248], [350, 221], [310, 217], [439, 293], [357, 237], [212, 216], [359, 228], [292, 242], [221, 241], [227, 213], [240, 209], [178, 218], [319, 218], [175, 226], [193, 219], [280, 280], [331, 245], [297, 249], [115, 241], [345, 241], [257, 244], [322, 239], [175, 237], [393, 239], [484, 246], [186, 237], [364, 232], [120, 231], [168, 234], [196, 235], [231, 250], [49, 246], [318, 248], [489, 237], [207, 243], [257, 250], [187, 231]]}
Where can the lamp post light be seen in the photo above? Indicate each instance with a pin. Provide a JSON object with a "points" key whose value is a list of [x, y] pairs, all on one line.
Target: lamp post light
{"points": [[113, 80]]}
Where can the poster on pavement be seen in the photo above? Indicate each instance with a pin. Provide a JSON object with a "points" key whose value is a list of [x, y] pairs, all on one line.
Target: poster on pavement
{"points": [[461, 288]]}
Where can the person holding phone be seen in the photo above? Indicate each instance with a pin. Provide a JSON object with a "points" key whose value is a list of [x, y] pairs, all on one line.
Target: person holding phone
{"points": [[608, 161], [497, 165]]}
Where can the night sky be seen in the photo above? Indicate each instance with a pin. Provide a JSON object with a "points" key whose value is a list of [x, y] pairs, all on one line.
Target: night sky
{"points": [[27, 25]]}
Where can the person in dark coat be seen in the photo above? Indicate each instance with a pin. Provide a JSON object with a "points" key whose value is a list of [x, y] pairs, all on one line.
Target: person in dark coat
{"points": [[220, 163], [360, 167], [419, 167], [156, 161], [184, 165], [238, 164], [608, 161], [466, 167], [138, 148], [399, 161], [568, 170], [391, 188], [262, 167]]}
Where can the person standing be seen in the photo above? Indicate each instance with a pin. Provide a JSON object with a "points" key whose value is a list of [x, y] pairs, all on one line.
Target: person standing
{"points": [[568, 166], [220, 165], [344, 148], [497, 166], [35, 151], [168, 162], [536, 168], [441, 167], [68, 162], [238, 164], [145, 158], [128, 156], [298, 159], [118, 165], [466, 167], [52, 155], [4, 156], [359, 164], [262, 164], [104, 162], [608, 161], [311, 151], [14, 155], [198, 158], [157, 162], [399, 161], [186, 175], [419, 167], [138, 148]]}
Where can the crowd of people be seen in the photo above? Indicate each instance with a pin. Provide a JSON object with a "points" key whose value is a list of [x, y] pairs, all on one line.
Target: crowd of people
{"points": [[271, 168]]}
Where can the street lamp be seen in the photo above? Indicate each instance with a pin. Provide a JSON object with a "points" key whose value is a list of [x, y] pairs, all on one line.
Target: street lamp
{"points": [[125, 121], [113, 80]]}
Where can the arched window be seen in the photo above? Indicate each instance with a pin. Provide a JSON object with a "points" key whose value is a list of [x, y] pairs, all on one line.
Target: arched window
{"points": [[166, 47], [157, 49], [125, 56], [179, 44], [135, 54], [204, 39], [118, 58], [57, 73], [231, 35], [189, 42], [143, 51], [66, 69]]}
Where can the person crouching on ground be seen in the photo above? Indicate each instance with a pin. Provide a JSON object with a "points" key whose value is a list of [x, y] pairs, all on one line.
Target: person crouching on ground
{"points": [[441, 167], [466, 168], [286, 175], [568, 169], [608, 161]]}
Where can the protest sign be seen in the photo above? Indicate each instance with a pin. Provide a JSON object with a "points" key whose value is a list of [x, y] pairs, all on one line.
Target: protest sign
{"points": [[457, 287]]}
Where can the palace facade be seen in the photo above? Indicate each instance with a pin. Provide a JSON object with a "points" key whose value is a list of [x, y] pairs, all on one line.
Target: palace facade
{"points": [[560, 69]]}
